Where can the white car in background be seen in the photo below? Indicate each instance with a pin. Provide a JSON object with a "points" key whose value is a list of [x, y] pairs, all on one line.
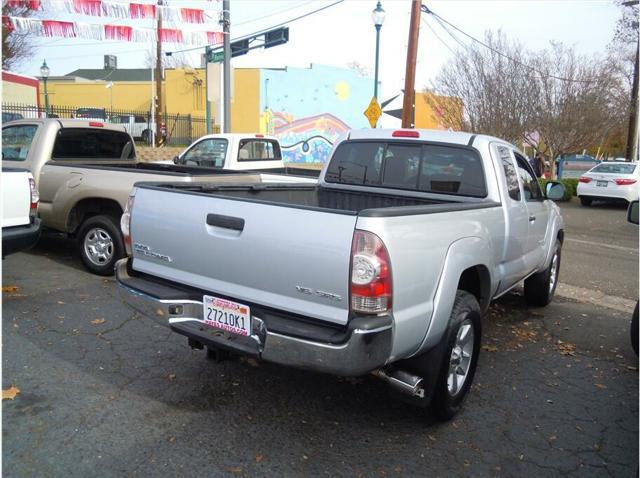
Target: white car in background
{"points": [[610, 181]]}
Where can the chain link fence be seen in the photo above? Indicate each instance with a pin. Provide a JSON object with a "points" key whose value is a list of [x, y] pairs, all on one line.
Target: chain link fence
{"points": [[176, 129]]}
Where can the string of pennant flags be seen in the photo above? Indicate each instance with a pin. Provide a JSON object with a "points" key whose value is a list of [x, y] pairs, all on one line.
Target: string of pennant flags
{"points": [[57, 28], [114, 9]]}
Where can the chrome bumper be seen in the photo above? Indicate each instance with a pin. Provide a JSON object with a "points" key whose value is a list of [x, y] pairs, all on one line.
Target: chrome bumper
{"points": [[364, 350]]}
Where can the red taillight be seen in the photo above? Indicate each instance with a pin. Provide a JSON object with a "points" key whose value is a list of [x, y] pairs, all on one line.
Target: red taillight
{"points": [[35, 198], [585, 179], [371, 285], [125, 222], [97, 124], [259, 136], [625, 182], [403, 133]]}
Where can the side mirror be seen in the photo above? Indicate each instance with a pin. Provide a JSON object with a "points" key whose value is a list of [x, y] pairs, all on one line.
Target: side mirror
{"points": [[555, 191], [632, 212], [176, 160]]}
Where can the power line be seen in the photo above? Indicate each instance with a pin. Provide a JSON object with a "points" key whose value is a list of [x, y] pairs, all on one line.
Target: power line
{"points": [[442, 22], [273, 14], [264, 30], [424, 20]]}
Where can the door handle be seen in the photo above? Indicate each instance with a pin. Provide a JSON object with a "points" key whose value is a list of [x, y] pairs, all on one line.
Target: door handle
{"points": [[225, 222], [532, 218]]}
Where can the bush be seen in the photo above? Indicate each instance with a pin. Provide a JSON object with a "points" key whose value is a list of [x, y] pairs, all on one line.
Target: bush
{"points": [[570, 184]]}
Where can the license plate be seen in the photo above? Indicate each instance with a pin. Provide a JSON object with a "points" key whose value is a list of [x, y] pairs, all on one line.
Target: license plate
{"points": [[226, 315], [602, 184]]}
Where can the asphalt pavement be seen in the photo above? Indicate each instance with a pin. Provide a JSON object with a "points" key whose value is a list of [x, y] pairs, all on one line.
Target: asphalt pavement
{"points": [[104, 392]]}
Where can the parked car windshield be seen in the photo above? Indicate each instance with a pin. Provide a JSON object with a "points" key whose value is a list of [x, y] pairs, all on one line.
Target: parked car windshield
{"points": [[410, 166], [209, 152], [89, 143], [615, 168], [91, 113]]}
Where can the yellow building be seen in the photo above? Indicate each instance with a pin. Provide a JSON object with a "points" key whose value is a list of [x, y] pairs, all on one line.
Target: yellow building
{"points": [[438, 112]]}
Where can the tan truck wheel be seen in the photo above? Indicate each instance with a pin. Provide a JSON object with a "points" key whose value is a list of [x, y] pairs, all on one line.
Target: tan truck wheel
{"points": [[100, 244]]}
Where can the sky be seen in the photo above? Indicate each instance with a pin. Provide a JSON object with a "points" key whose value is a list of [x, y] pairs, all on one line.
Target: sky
{"points": [[344, 33]]}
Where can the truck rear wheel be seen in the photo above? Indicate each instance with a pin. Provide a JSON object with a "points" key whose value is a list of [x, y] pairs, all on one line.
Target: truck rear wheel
{"points": [[100, 244], [540, 288], [460, 356]]}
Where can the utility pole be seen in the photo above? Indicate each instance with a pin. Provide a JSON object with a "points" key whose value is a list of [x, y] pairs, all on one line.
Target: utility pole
{"points": [[632, 134], [226, 29], [408, 105], [158, 106], [207, 53]]}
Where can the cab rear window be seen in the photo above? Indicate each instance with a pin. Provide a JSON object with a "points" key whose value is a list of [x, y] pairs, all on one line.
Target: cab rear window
{"points": [[93, 144], [433, 168]]}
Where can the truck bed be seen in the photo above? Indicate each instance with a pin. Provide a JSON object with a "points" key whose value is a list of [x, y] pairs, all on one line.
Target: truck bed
{"points": [[181, 170], [321, 198], [151, 168]]}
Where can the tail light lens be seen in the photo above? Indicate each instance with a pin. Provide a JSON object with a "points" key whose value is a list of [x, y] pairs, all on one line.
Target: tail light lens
{"points": [[625, 182], [35, 199], [584, 179], [371, 284], [125, 222]]}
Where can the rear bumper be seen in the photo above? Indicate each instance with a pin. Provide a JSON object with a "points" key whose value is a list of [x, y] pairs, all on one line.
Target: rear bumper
{"points": [[20, 238], [628, 193], [363, 346]]}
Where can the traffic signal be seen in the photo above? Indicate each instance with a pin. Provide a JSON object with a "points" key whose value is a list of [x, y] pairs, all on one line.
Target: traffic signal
{"points": [[240, 47], [276, 37]]}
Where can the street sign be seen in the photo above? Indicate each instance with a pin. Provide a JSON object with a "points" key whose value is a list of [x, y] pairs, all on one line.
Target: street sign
{"points": [[218, 56], [373, 112]]}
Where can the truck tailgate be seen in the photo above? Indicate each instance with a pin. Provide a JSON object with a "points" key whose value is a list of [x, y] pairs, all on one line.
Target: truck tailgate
{"points": [[16, 198], [281, 257]]}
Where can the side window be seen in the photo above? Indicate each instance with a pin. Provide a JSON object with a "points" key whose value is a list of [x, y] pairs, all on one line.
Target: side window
{"points": [[209, 153], [16, 141], [510, 173], [530, 184], [258, 150]]}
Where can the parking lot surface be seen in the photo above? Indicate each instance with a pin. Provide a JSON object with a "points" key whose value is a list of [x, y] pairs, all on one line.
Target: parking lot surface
{"points": [[104, 392]]}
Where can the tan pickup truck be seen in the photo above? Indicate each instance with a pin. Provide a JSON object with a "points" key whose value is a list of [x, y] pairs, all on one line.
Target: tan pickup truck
{"points": [[85, 170]]}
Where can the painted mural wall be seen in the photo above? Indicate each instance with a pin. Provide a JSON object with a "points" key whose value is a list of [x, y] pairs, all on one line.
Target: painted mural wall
{"points": [[308, 108]]}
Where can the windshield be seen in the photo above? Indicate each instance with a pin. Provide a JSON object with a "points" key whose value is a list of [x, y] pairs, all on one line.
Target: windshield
{"points": [[209, 153], [91, 113], [614, 168], [410, 166]]}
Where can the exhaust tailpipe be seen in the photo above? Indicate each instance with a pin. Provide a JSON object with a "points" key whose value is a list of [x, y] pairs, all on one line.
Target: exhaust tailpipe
{"points": [[402, 381]]}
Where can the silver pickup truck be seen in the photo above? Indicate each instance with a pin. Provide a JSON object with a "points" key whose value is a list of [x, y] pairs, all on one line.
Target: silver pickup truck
{"points": [[385, 266], [85, 170]]}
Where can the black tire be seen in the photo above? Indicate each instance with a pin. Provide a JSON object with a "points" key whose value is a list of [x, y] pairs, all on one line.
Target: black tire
{"points": [[146, 136], [634, 330], [100, 244], [585, 201], [540, 288], [448, 396]]}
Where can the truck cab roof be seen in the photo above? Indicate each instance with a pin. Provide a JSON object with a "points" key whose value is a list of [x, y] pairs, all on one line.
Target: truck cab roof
{"points": [[71, 123], [432, 135]]}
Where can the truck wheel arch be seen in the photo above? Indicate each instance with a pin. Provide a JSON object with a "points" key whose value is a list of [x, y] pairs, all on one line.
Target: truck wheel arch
{"points": [[477, 281], [88, 207], [461, 271]]}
